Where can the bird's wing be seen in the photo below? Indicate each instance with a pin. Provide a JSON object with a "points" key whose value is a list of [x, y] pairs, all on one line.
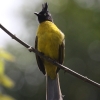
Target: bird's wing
{"points": [[39, 59], [61, 54]]}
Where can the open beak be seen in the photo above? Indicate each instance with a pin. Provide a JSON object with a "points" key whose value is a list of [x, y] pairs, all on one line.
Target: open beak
{"points": [[36, 13]]}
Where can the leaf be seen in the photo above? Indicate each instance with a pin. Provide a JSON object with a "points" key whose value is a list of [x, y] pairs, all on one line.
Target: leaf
{"points": [[5, 97], [2, 67], [5, 55], [6, 81]]}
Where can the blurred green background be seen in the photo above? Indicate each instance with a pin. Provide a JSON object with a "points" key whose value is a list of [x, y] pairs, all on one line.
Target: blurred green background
{"points": [[79, 20]]}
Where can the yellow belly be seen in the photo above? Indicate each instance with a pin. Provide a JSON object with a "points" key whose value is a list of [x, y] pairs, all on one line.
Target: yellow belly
{"points": [[48, 43], [50, 48]]}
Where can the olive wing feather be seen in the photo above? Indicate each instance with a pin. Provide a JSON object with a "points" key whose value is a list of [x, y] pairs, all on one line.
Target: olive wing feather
{"points": [[39, 59]]}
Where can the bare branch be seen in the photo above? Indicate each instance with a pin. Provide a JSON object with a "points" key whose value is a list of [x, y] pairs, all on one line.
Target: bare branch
{"points": [[66, 69]]}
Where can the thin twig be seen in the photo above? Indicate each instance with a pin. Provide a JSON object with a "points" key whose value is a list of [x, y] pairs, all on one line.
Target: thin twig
{"points": [[84, 78]]}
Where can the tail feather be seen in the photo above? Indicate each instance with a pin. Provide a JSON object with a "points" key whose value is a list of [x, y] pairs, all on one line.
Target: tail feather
{"points": [[53, 91]]}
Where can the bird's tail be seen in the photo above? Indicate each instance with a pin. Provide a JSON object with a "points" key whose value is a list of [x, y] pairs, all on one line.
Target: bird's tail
{"points": [[53, 91]]}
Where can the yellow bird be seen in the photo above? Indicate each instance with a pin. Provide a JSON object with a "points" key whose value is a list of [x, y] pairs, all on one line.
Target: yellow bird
{"points": [[50, 42]]}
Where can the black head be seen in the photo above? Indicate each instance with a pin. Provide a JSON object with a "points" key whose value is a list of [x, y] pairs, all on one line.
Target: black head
{"points": [[44, 15]]}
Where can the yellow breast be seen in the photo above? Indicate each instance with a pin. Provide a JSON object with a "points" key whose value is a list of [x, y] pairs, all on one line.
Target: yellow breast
{"points": [[49, 39]]}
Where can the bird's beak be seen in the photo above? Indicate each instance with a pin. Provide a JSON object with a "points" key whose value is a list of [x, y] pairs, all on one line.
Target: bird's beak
{"points": [[36, 13]]}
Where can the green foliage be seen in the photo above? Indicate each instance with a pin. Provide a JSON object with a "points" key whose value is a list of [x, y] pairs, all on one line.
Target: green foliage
{"points": [[1, 67], [5, 55], [4, 79], [5, 97]]}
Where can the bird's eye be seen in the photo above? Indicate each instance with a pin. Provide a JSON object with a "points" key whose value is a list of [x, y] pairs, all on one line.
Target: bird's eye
{"points": [[45, 14]]}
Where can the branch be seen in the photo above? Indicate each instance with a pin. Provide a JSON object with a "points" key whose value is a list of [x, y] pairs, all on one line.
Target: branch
{"points": [[66, 69]]}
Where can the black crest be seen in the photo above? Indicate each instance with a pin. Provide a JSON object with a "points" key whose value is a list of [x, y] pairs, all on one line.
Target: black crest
{"points": [[44, 7], [44, 15]]}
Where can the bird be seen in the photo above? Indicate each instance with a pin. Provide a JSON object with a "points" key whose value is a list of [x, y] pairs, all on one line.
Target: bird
{"points": [[50, 41]]}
